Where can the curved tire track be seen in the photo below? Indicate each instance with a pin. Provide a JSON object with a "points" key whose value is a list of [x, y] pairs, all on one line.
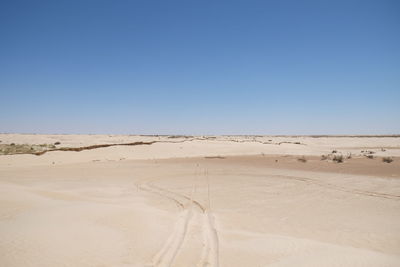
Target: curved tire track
{"points": [[167, 254]]}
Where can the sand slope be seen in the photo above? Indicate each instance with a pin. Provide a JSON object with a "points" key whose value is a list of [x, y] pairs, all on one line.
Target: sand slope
{"points": [[230, 201]]}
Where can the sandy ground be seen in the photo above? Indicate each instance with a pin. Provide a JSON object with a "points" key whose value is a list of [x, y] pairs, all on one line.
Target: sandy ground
{"points": [[224, 201]]}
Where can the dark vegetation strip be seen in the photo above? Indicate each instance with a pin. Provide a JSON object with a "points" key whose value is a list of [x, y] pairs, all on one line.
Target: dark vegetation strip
{"points": [[78, 149], [140, 143]]}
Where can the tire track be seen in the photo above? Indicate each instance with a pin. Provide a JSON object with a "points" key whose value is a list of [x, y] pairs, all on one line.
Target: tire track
{"points": [[210, 252], [168, 252], [329, 186], [166, 255], [341, 188]]}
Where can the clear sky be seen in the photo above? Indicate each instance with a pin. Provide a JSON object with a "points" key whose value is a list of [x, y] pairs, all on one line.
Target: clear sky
{"points": [[200, 67]]}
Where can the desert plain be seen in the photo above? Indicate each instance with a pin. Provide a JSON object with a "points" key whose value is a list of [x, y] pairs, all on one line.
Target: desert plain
{"points": [[131, 200]]}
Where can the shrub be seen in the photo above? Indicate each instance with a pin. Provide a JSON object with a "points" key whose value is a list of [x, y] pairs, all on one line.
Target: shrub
{"points": [[338, 158], [323, 157], [369, 156], [57, 143], [334, 151], [302, 159], [387, 159]]}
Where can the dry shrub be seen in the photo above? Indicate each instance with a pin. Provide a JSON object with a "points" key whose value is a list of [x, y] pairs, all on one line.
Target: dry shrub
{"points": [[338, 158], [387, 159], [302, 159]]}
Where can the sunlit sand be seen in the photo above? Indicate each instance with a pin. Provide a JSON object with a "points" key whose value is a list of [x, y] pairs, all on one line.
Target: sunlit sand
{"points": [[200, 201]]}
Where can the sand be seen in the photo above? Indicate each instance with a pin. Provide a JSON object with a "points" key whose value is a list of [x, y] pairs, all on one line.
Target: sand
{"points": [[201, 201]]}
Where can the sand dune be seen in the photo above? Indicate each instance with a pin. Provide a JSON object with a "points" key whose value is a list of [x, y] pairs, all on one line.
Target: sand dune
{"points": [[200, 201]]}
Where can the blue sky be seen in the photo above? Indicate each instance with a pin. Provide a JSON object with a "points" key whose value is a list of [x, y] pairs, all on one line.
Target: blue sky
{"points": [[200, 67]]}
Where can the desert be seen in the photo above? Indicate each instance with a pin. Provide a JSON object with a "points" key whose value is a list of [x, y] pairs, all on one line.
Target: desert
{"points": [[131, 200], [200, 133]]}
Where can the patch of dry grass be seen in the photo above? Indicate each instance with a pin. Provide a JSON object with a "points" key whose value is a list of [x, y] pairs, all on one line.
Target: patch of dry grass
{"points": [[302, 159], [387, 159], [338, 158], [11, 149]]}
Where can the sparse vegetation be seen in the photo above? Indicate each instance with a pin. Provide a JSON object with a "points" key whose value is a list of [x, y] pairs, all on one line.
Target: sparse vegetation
{"points": [[335, 157], [180, 136], [302, 159], [13, 148], [214, 157], [338, 158], [387, 159]]}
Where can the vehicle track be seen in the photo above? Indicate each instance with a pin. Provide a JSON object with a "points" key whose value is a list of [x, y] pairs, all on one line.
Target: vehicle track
{"points": [[341, 188], [173, 245], [328, 185]]}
